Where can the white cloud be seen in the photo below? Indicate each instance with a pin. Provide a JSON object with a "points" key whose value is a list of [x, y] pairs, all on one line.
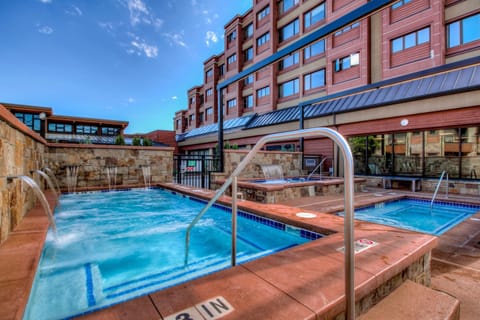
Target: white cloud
{"points": [[74, 11], [45, 1], [131, 100], [175, 39], [107, 26], [174, 98], [210, 37], [140, 13], [45, 30], [139, 47]]}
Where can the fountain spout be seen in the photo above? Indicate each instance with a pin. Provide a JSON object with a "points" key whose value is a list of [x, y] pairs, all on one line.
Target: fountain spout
{"points": [[40, 195], [147, 177]]}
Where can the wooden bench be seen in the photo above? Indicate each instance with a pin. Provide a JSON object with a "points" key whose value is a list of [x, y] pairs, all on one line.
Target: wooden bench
{"points": [[415, 182], [414, 301]]}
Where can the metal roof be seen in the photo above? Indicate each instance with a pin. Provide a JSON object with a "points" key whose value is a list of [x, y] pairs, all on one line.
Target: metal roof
{"points": [[227, 125], [274, 117]]}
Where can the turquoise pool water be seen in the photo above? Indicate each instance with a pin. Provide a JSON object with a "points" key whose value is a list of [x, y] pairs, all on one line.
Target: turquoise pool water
{"points": [[114, 246], [416, 215]]}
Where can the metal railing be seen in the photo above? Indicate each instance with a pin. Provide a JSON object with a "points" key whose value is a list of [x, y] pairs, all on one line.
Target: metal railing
{"points": [[316, 168], [438, 187], [349, 192]]}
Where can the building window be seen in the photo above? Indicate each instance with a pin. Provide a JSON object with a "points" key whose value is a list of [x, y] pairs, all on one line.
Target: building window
{"points": [[348, 28], [314, 16], [221, 70], [109, 131], [248, 102], [83, 129], [209, 111], [314, 80], [232, 103], [314, 50], [248, 54], [191, 118], [411, 40], [288, 88], [263, 92], [289, 30], [232, 36], [263, 13], [285, 5], [289, 61], [346, 62], [248, 31], [232, 58], [400, 3], [32, 121], [209, 73], [463, 31], [209, 92], [248, 80], [59, 127], [264, 38], [201, 117], [191, 100]]}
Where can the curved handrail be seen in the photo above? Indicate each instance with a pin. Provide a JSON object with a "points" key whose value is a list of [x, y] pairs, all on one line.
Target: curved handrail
{"points": [[349, 191]]}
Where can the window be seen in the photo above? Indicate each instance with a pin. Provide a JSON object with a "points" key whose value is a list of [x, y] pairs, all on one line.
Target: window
{"points": [[232, 36], [314, 16], [411, 40], [264, 38], [201, 117], [209, 111], [177, 124], [232, 103], [209, 73], [346, 62], [59, 127], [463, 31], [30, 120], [248, 102], [83, 129], [191, 100], [285, 5], [191, 118], [400, 3], [108, 131], [248, 31], [248, 54], [314, 80], [288, 88], [263, 92], [289, 61], [221, 70], [232, 58], [263, 13], [248, 80], [348, 28], [314, 49], [209, 92], [289, 30]]}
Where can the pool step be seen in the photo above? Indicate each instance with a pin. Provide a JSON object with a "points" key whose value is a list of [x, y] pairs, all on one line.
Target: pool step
{"points": [[414, 301]]}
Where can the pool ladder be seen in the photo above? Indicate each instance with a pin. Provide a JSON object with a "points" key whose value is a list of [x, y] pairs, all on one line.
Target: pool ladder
{"points": [[349, 211], [438, 187], [316, 168]]}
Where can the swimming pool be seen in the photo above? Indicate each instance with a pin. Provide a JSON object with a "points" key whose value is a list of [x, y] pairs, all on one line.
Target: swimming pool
{"points": [[416, 215], [114, 246]]}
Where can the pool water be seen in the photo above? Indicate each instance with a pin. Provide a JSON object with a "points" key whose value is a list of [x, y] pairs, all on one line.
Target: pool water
{"points": [[114, 246], [416, 215]]}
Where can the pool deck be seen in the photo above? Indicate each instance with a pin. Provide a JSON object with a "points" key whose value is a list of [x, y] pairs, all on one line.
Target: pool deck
{"points": [[305, 282]]}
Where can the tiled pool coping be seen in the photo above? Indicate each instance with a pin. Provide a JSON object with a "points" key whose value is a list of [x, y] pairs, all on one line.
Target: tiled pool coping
{"points": [[298, 283]]}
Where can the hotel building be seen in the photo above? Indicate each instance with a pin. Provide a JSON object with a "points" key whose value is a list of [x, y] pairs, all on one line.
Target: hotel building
{"points": [[402, 85]]}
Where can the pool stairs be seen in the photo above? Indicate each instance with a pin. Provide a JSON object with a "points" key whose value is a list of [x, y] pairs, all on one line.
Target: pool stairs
{"points": [[415, 301]]}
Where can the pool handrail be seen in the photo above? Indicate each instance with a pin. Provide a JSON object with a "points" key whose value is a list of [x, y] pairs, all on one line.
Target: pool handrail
{"points": [[318, 166], [344, 147], [438, 187]]}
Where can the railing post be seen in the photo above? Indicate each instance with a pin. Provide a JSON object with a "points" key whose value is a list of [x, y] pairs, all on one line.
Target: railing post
{"points": [[234, 222]]}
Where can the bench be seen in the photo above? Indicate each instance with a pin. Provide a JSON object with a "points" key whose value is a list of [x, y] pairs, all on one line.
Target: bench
{"points": [[415, 182]]}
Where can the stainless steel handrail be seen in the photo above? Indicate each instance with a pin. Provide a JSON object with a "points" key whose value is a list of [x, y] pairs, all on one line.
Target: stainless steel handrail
{"points": [[438, 187], [318, 166], [348, 199]]}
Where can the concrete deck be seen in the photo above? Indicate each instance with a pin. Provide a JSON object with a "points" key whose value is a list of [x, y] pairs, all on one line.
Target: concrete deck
{"points": [[305, 282]]}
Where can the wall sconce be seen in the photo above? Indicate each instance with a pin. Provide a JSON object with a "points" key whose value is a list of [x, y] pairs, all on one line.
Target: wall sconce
{"points": [[404, 122]]}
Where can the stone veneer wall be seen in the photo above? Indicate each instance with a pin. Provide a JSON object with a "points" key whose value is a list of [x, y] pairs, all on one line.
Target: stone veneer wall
{"points": [[93, 161], [291, 162], [21, 151]]}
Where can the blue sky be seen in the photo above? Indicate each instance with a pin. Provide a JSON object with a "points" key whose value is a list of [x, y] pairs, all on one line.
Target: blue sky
{"points": [[130, 60]]}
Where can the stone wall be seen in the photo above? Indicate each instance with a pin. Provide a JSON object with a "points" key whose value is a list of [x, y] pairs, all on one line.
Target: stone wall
{"points": [[20, 153], [93, 160], [291, 163]]}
